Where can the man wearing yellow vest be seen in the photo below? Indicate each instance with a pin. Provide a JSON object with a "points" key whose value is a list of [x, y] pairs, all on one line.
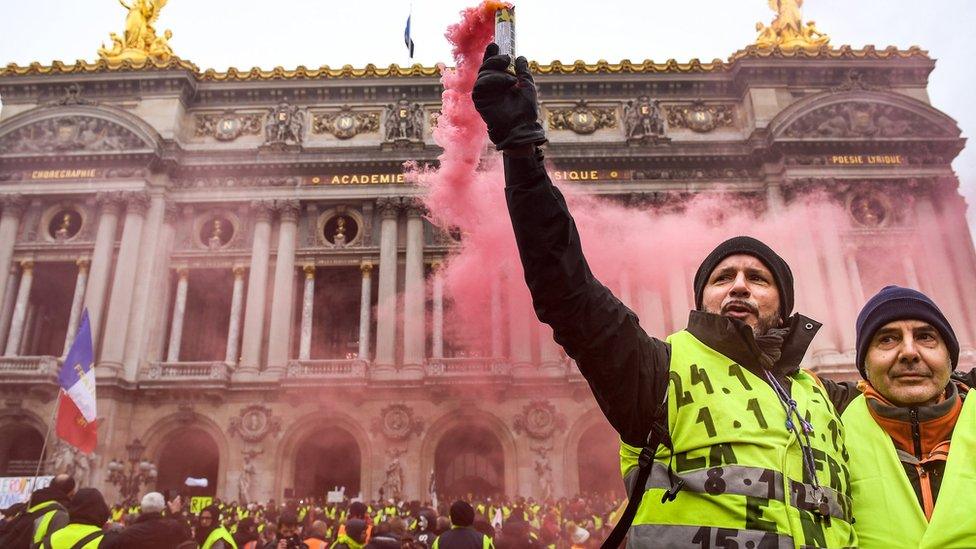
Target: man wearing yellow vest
{"points": [[48, 505], [911, 489], [725, 441], [88, 514]]}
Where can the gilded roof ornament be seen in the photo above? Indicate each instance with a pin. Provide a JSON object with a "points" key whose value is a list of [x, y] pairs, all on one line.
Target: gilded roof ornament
{"points": [[787, 31], [139, 42]]}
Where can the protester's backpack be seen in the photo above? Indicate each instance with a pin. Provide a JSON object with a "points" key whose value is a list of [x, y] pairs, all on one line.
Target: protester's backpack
{"points": [[20, 534]]}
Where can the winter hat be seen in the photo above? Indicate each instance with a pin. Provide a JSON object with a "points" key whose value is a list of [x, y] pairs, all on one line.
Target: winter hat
{"points": [[462, 514], [88, 507], [749, 246], [896, 303]]}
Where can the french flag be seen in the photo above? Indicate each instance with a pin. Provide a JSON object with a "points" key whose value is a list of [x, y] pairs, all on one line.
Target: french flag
{"points": [[76, 423]]}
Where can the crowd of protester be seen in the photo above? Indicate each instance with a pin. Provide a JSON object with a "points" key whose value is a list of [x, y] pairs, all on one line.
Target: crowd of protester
{"points": [[60, 516]]}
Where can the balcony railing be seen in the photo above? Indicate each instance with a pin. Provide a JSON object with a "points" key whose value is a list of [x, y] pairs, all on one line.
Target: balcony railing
{"points": [[467, 368], [190, 371], [28, 366], [328, 369]]}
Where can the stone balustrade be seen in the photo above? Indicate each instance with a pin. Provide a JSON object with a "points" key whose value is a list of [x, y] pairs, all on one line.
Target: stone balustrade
{"points": [[186, 371], [466, 368], [29, 366]]}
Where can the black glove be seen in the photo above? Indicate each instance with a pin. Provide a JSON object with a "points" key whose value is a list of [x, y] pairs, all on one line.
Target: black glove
{"points": [[507, 102]]}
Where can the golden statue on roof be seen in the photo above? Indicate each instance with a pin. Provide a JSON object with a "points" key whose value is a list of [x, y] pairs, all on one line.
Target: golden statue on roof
{"points": [[139, 41], [788, 31]]}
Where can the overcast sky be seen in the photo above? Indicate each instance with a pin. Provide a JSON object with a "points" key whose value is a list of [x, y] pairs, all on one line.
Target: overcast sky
{"points": [[246, 33]]}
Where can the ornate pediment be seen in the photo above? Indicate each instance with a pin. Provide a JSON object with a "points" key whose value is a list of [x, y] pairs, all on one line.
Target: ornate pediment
{"points": [[855, 119], [75, 133]]}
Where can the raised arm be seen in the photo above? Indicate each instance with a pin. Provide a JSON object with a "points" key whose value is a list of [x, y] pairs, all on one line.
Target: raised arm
{"points": [[626, 370]]}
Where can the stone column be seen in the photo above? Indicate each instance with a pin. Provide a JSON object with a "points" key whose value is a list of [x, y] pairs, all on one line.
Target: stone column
{"points": [[414, 315], [30, 325], [236, 308], [652, 313], [809, 279], [941, 281], [13, 210], [308, 298], [843, 308], [854, 274], [179, 311], [20, 308], [678, 297], [148, 279], [153, 340], [497, 337], [256, 287], [123, 284], [386, 303], [76, 302], [9, 298], [365, 308], [437, 291], [520, 319], [911, 274], [282, 299], [101, 263], [550, 357]]}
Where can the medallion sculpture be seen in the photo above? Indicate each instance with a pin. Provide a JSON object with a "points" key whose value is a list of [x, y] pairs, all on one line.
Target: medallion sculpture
{"points": [[787, 30], [139, 41]]}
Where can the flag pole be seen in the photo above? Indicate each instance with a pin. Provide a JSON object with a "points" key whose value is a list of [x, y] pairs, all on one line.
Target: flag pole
{"points": [[50, 425]]}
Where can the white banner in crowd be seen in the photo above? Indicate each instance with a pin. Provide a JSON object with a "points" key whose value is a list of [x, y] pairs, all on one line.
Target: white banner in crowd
{"points": [[18, 489]]}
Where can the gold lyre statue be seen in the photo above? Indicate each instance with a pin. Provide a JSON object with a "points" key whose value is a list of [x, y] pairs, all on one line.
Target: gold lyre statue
{"points": [[788, 30], [139, 41]]}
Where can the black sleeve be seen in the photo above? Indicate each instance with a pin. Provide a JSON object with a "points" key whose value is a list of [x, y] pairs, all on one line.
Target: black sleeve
{"points": [[840, 393], [626, 369], [969, 378]]}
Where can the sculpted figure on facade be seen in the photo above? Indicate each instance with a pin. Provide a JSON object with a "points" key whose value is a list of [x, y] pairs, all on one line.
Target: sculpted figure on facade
{"points": [[397, 422], [246, 481], [787, 30], [643, 120], [346, 123], [393, 484], [254, 423], [862, 119], [66, 459], [404, 121], [539, 420], [582, 118], [285, 125], [139, 41]]}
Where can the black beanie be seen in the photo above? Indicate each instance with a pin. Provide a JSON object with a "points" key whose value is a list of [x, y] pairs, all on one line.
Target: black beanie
{"points": [[462, 514], [88, 507], [896, 303], [749, 246]]}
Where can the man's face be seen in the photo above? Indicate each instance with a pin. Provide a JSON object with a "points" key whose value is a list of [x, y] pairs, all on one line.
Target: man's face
{"points": [[286, 530], [908, 362], [206, 519], [742, 287]]}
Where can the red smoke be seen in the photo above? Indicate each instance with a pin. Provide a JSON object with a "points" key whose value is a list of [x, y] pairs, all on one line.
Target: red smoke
{"points": [[648, 256]]}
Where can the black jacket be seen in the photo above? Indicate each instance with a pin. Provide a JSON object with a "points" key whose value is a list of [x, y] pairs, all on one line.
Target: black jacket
{"points": [[626, 369], [151, 531], [460, 538]]}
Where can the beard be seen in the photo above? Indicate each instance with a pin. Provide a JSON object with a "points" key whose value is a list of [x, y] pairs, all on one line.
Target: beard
{"points": [[763, 324]]}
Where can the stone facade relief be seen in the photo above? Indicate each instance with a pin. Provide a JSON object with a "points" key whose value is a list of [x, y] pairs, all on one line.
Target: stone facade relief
{"points": [[345, 123], [74, 133], [863, 119], [582, 118], [404, 122], [227, 126], [285, 125], [539, 420], [398, 423], [643, 121], [700, 117]]}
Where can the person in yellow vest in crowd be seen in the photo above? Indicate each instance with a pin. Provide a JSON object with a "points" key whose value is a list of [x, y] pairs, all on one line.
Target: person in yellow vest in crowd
{"points": [[911, 487], [48, 507], [87, 513], [462, 535], [724, 439], [352, 535], [317, 536], [210, 534]]}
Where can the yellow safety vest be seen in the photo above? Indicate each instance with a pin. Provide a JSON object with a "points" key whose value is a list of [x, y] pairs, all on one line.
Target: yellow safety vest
{"points": [[67, 537], [886, 509], [219, 533], [43, 522], [745, 482]]}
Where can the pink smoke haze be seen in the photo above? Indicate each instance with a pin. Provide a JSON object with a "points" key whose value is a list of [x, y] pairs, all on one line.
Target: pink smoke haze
{"points": [[647, 257]]}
